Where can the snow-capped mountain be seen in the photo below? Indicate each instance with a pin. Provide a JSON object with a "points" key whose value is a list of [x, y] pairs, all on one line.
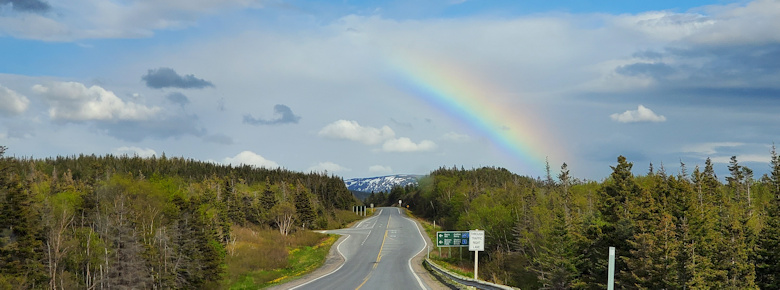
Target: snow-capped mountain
{"points": [[380, 183]]}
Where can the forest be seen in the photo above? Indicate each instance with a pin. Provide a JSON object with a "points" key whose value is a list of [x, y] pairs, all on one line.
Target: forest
{"points": [[689, 230], [95, 222], [91, 222]]}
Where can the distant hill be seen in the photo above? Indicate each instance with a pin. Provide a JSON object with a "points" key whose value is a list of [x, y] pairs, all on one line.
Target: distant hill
{"points": [[362, 187]]}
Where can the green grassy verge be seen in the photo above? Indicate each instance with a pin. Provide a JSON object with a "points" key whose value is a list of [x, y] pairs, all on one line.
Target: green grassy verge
{"points": [[300, 260], [261, 258]]}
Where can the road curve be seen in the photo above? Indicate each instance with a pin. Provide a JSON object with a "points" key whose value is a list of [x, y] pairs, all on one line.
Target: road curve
{"points": [[378, 253]]}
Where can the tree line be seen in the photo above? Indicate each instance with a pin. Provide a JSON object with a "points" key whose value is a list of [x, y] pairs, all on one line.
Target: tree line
{"points": [[688, 230], [96, 222]]}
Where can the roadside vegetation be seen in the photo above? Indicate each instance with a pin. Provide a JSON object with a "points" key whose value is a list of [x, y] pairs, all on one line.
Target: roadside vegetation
{"points": [[86, 222], [684, 230], [453, 259], [265, 257]]}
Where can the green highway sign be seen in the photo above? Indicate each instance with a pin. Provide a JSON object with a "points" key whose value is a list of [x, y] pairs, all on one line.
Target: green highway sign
{"points": [[452, 239]]}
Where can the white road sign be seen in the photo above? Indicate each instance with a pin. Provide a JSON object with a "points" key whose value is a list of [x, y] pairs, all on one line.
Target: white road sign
{"points": [[476, 240]]}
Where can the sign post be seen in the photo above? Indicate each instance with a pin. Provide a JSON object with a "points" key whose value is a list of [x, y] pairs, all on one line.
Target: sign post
{"points": [[476, 244]]}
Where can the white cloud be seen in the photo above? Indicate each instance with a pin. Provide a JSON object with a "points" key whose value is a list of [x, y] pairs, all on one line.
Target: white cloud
{"points": [[709, 148], [404, 144], [73, 101], [135, 151], [351, 130], [250, 158], [761, 158], [755, 22], [327, 166], [380, 169], [641, 114], [455, 137], [12, 102]]}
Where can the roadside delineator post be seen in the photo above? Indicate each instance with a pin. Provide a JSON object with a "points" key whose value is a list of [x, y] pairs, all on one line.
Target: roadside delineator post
{"points": [[611, 275]]}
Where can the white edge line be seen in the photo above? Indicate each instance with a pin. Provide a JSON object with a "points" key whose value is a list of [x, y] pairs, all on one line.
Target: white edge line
{"points": [[425, 244], [338, 249]]}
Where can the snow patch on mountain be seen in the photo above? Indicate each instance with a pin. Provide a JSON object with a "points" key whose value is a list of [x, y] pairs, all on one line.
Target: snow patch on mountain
{"points": [[381, 183]]}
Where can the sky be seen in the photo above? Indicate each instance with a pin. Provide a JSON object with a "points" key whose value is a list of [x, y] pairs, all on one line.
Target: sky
{"points": [[372, 88]]}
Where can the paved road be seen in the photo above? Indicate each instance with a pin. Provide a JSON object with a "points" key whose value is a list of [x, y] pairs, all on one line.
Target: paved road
{"points": [[378, 253]]}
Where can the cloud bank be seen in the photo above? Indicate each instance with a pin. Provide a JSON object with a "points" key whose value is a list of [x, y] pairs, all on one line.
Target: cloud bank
{"points": [[72, 101], [404, 144], [353, 131], [11, 102]]}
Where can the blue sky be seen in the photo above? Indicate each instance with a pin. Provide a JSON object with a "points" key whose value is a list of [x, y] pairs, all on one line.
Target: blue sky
{"points": [[304, 84]]}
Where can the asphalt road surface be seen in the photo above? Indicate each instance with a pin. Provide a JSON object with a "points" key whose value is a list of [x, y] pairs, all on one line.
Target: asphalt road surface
{"points": [[378, 253]]}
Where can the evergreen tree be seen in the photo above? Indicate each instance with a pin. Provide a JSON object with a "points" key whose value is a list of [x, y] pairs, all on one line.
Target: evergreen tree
{"points": [[705, 261], [768, 246], [230, 198], [736, 178], [201, 253], [555, 263], [268, 200], [612, 229], [21, 236], [303, 208]]}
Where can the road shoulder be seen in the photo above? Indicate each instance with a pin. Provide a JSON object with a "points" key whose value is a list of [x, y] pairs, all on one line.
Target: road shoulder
{"points": [[417, 261]]}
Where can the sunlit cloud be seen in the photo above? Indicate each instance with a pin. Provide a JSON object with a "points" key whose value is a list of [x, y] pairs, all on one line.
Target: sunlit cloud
{"points": [[641, 114]]}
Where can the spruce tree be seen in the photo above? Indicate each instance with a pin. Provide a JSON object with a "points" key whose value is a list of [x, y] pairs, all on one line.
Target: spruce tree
{"points": [[768, 247], [705, 260], [555, 263], [21, 241], [613, 228], [304, 209]]}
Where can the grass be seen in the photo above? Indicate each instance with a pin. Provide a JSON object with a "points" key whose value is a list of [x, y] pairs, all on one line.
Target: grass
{"points": [[344, 218], [261, 258]]}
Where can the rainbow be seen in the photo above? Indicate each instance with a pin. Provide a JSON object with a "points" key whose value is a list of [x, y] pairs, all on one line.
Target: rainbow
{"points": [[484, 107]]}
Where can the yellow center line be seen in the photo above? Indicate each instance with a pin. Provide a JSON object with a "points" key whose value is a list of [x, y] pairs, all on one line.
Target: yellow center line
{"points": [[378, 256]]}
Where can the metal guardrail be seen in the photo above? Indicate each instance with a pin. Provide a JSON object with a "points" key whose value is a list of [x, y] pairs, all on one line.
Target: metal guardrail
{"points": [[465, 280]]}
